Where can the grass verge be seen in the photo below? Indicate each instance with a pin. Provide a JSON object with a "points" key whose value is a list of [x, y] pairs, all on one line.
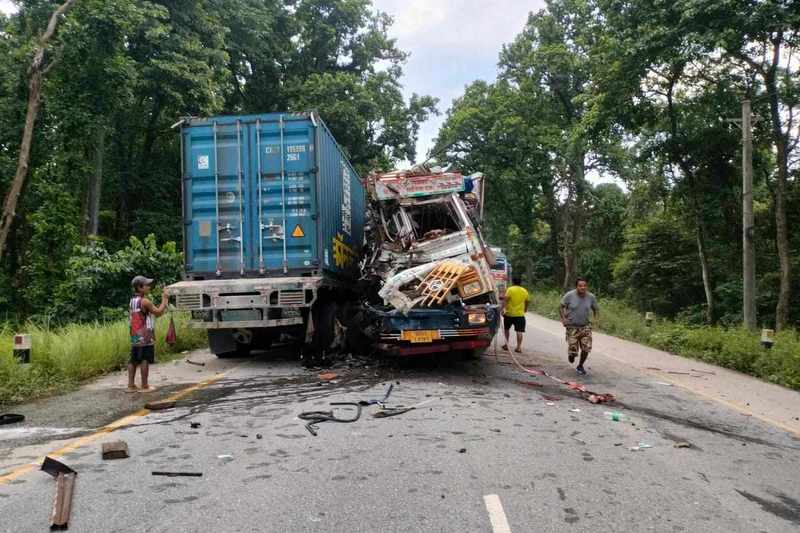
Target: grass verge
{"points": [[734, 348], [64, 357]]}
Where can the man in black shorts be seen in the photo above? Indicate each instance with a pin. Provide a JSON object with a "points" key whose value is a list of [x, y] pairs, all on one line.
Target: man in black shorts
{"points": [[143, 339], [515, 306]]}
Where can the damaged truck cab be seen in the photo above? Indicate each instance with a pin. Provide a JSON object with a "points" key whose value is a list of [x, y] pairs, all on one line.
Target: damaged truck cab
{"points": [[426, 253]]}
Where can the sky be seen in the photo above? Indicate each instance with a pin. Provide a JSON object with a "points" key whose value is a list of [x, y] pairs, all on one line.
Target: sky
{"points": [[452, 43]]}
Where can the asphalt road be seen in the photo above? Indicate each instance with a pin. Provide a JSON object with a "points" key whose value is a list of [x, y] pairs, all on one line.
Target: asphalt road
{"points": [[492, 450]]}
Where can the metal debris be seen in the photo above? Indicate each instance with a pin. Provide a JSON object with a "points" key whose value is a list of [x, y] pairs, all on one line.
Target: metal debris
{"points": [[53, 467], [386, 412], [314, 418], [178, 474], [62, 506], [65, 488], [159, 406], [115, 450], [365, 403]]}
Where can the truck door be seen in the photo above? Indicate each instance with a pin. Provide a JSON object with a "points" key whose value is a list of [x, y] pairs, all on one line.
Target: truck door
{"points": [[285, 212], [218, 202]]}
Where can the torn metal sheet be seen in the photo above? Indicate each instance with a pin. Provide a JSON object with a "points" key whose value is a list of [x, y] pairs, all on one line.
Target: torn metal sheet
{"points": [[62, 506]]}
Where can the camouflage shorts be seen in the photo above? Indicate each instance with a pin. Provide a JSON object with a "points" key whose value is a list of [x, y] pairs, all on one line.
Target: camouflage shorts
{"points": [[579, 338]]}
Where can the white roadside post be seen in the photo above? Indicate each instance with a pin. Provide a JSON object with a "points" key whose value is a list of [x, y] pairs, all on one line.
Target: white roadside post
{"points": [[22, 348]]}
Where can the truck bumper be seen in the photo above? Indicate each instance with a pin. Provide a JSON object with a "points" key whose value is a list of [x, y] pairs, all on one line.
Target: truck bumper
{"points": [[246, 303], [450, 329], [406, 349]]}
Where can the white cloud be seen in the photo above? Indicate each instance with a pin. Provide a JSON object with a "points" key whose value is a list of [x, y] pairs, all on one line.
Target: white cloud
{"points": [[452, 43], [7, 7]]}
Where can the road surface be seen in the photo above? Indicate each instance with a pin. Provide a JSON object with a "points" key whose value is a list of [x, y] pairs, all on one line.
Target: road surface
{"points": [[492, 450]]}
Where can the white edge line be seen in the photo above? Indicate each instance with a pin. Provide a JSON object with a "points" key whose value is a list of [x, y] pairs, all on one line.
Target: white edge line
{"points": [[496, 514]]}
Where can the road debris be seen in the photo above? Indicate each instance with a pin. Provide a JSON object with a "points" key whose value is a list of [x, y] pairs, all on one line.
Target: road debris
{"points": [[549, 403], [11, 418], [328, 376], [65, 488], [682, 444], [160, 405], [117, 449], [178, 474], [462, 450], [53, 467], [314, 418], [593, 397], [195, 362], [703, 371], [641, 447], [386, 412], [365, 403], [194, 425], [62, 506], [574, 410], [616, 416], [578, 440], [259, 436]]}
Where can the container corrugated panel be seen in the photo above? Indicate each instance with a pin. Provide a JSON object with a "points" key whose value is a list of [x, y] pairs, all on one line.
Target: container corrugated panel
{"points": [[269, 195]]}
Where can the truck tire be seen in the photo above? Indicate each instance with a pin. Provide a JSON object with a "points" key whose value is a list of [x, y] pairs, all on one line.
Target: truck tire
{"points": [[222, 344], [324, 316]]}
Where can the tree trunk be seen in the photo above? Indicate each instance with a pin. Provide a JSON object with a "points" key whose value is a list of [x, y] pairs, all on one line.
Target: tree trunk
{"points": [[708, 287], [36, 74], [781, 226], [554, 222], [575, 216], [96, 185]]}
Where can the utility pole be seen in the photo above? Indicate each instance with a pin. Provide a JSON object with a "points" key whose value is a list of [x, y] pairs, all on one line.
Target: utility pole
{"points": [[748, 223]]}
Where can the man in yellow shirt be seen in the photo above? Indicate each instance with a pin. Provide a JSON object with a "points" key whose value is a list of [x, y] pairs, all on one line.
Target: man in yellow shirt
{"points": [[514, 308]]}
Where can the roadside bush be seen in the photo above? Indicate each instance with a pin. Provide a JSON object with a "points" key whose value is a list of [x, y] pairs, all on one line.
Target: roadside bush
{"points": [[97, 284], [63, 357], [733, 347]]}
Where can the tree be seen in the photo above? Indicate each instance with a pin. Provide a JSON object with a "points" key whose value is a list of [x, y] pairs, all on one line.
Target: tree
{"points": [[38, 69]]}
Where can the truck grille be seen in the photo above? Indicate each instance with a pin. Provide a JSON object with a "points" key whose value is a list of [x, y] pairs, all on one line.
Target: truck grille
{"points": [[291, 298], [190, 301]]}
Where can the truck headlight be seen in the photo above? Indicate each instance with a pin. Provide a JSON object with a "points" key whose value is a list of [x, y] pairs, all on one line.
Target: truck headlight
{"points": [[476, 318]]}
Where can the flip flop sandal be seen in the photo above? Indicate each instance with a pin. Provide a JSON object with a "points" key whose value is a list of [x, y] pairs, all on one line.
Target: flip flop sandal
{"points": [[11, 419]]}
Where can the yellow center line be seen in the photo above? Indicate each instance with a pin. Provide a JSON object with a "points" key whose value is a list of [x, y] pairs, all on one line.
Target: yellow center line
{"points": [[113, 426]]}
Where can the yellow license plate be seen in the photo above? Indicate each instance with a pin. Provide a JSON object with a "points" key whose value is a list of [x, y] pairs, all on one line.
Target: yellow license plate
{"points": [[422, 335]]}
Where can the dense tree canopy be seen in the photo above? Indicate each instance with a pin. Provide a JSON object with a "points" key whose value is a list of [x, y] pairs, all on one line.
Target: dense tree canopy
{"points": [[640, 91], [105, 161]]}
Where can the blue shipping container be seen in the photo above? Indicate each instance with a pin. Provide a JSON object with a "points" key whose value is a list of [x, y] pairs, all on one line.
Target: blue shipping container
{"points": [[268, 195]]}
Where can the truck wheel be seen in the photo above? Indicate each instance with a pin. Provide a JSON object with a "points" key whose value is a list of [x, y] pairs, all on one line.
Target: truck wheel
{"points": [[325, 325], [324, 316]]}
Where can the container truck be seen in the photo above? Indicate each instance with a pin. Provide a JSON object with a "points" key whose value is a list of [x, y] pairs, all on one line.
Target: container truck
{"points": [[273, 219]]}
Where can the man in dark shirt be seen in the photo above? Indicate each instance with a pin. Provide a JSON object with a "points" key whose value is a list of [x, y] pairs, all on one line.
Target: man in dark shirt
{"points": [[576, 307]]}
